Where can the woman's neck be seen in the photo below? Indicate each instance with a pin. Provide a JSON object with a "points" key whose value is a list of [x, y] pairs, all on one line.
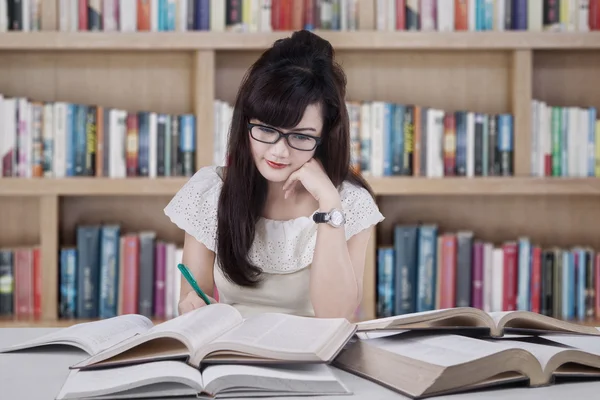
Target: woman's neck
{"points": [[298, 203]]}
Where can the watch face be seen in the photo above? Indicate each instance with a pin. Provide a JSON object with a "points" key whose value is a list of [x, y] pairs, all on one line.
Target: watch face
{"points": [[337, 218]]}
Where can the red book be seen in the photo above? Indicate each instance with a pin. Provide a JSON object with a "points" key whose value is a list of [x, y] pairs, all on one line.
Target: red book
{"points": [[448, 272], [400, 15], [37, 283], [477, 275], [23, 292], [160, 275], [594, 15], [536, 277], [83, 15], [309, 14], [511, 269]]}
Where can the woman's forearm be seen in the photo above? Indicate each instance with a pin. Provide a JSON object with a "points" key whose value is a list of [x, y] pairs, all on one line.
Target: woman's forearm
{"points": [[334, 287]]}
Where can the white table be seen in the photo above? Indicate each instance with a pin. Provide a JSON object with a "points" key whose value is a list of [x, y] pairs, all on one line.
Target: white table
{"points": [[38, 374]]}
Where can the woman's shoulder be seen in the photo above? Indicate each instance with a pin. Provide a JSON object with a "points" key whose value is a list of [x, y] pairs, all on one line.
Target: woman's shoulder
{"points": [[194, 207], [360, 208]]}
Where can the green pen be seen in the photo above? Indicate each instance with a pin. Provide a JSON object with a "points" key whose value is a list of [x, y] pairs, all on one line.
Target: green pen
{"points": [[188, 277]]}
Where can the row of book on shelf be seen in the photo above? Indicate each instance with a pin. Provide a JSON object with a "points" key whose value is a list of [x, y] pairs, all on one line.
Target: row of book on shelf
{"points": [[389, 139], [62, 139], [281, 15], [425, 269], [104, 274], [185, 15], [21, 278], [565, 141], [488, 15], [109, 272], [419, 355]]}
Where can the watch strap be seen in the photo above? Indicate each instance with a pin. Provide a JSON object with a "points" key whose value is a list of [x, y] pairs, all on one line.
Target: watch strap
{"points": [[320, 217]]}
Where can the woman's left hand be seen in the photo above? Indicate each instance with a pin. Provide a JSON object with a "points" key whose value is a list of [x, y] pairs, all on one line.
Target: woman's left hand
{"points": [[314, 179]]}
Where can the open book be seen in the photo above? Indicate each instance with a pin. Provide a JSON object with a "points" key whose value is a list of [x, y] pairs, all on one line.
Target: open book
{"points": [[218, 333], [422, 365], [91, 337], [162, 379], [495, 324]]}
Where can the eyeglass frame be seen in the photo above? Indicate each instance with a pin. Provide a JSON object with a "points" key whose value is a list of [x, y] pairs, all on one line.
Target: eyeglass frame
{"points": [[317, 139]]}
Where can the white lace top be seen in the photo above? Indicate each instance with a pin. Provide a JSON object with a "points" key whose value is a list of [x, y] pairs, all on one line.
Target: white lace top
{"points": [[282, 249]]}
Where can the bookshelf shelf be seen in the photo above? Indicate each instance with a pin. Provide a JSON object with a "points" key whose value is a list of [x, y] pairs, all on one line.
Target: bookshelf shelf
{"points": [[354, 40], [92, 186], [48, 323], [488, 186], [385, 186]]}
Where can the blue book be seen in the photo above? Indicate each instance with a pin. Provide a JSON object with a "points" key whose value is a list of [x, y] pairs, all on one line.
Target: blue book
{"points": [[426, 267], [70, 140], [397, 140], [68, 283], [405, 249], [388, 132], [109, 271], [385, 282]]}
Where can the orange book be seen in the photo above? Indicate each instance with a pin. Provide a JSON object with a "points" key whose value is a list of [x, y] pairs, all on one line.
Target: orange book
{"points": [[461, 15], [143, 15], [132, 144], [297, 15], [449, 145]]}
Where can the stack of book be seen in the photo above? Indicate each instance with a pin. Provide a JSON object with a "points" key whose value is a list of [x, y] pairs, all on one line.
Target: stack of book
{"points": [[214, 351]]}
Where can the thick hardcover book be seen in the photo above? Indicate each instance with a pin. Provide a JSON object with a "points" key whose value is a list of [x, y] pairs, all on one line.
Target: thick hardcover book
{"points": [[421, 366]]}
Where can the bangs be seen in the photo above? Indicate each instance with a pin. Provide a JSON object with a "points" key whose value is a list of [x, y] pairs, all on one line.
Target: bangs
{"points": [[281, 98]]}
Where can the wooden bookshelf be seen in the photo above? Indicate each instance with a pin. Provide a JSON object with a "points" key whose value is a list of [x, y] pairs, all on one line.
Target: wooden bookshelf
{"points": [[354, 40], [493, 72], [384, 186]]}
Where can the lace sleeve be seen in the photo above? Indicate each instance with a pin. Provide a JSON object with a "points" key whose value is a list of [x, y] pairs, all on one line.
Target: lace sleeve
{"points": [[194, 207], [360, 210]]}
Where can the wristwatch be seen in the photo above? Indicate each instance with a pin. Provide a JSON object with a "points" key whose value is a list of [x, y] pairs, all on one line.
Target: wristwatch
{"points": [[334, 218]]}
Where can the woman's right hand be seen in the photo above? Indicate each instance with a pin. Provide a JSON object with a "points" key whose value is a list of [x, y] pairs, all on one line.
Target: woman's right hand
{"points": [[191, 302]]}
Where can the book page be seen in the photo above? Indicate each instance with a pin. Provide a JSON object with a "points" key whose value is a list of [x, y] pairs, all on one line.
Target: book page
{"points": [[301, 372], [283, 333], [93, 337], [113, 380], [543, 353], [498, 315], [202, 325], [590, 344], [442, 350], [379, 323]]}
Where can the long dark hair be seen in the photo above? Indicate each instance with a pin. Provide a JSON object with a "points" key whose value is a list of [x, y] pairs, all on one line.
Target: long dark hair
{"points": [[294, 73]]}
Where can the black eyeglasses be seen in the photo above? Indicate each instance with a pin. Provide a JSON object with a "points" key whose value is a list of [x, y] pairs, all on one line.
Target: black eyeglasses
{"points": [[298, 141]]}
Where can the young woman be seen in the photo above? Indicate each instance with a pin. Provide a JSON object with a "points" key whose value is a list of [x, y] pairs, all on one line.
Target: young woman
{"points": [[284, 226]]}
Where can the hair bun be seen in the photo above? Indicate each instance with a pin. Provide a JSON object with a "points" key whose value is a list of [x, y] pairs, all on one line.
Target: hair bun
{"points": [[307, 41]]}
